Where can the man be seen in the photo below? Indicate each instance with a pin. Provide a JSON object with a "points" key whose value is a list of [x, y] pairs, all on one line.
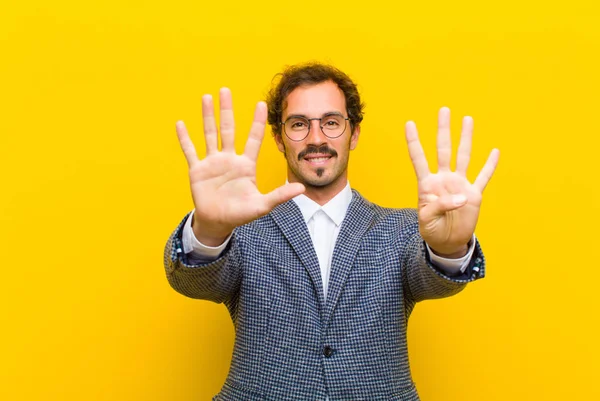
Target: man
{"points": [[320, 282]]}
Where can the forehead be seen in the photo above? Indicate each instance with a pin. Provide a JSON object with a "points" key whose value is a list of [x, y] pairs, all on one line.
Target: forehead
{"points": [[314, 100]]}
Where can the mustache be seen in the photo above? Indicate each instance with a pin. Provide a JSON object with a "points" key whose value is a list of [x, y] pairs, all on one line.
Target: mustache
{"points": [[323, 149]]}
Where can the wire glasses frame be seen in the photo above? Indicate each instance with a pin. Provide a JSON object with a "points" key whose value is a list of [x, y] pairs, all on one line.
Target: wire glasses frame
{"points": [[297, 128]]}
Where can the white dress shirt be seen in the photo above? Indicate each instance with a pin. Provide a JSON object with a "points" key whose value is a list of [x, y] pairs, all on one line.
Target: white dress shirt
{"points": [[324, 224]]}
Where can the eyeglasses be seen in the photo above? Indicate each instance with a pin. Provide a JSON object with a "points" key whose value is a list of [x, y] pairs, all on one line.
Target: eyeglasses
{"points": [[297, 128]]}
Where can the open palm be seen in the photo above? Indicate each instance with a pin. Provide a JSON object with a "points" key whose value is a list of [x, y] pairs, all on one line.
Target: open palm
{"points": [[448, 203], [223, 184]]}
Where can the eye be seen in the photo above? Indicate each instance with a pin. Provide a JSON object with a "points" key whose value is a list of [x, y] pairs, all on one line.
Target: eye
{"points": [[298, 124], [331, 122]]}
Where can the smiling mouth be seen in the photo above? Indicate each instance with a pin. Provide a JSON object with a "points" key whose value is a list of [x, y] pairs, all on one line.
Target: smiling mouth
{"points": [[317, 159]]}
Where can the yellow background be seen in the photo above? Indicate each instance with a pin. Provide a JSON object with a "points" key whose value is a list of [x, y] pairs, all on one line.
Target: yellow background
{"points": [[93, 182]]}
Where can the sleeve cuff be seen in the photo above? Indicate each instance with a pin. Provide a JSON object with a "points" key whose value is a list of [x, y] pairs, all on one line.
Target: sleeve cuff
{"points": [[195, 248], [450, 266]]}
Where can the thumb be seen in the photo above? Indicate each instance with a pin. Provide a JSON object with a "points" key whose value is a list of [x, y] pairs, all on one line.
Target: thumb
{"points": [[283, 194], [446, 203]]}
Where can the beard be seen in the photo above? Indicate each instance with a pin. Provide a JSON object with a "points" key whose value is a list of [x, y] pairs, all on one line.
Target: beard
{"points": [[317, 178]]}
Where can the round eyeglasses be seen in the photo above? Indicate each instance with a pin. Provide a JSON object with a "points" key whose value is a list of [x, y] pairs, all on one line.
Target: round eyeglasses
{"points": [[297, 127]]}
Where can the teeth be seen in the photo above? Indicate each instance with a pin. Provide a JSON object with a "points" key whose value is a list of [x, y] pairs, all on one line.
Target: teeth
{"points": [[318, 159]]}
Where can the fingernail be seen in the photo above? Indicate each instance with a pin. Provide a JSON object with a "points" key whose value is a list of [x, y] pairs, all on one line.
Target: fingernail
{"points": [[459, 199]]}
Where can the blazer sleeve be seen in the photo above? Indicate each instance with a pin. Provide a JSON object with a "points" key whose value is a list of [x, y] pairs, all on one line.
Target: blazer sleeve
{"points": [[217, 281], [423, 280]]}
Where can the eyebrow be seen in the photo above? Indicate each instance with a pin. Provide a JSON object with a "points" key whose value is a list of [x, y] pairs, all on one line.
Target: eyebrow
{"points": [[329, 113]]}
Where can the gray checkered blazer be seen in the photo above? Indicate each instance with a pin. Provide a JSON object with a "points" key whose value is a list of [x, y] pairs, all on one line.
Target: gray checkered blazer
{"points": [[291, 344]]}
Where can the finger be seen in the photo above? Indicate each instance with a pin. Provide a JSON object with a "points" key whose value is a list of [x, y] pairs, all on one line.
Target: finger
{"points": [[257, 132], [445, 203], [210, 127], [283, 194], [444, 144], [485, 175], [415, 150], [464, 149], [186, 143], [227, 122]]}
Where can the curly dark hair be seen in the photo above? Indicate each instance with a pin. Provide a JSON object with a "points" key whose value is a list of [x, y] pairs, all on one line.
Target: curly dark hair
{"points": [[311, 74]]}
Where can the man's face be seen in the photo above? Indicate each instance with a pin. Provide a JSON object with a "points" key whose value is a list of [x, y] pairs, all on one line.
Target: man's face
{"points": [[317, 160]]}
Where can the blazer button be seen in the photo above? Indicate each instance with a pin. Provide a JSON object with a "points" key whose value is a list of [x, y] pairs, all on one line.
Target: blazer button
{"points": [[327, 351]]}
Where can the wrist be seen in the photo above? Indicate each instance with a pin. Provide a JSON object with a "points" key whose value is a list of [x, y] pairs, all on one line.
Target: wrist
{"points": [[207, 236], [451, 252]]}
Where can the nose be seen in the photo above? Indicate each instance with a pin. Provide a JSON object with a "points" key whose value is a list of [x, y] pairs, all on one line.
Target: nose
{"points": [[315, 134]]}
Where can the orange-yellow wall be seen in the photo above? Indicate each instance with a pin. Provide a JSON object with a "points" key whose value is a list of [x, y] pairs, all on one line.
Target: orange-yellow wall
{"points": [[93, 181]]}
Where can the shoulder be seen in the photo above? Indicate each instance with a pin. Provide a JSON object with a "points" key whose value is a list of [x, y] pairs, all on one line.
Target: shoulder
{"points": [[388, 217], [382, 213], [259, 229]]}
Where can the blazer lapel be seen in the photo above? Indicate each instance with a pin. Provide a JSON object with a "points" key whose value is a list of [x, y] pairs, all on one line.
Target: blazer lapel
{"points": [[289, 219], [354, 226]]}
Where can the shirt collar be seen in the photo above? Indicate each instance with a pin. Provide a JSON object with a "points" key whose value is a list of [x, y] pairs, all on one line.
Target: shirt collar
{"points": [[336, 208]]}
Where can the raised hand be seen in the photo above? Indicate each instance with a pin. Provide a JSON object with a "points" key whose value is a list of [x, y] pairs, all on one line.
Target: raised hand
{"points": [[448, 203], [223, 184]]}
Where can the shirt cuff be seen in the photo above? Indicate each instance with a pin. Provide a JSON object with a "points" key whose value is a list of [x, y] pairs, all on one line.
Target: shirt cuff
{"points": [[195, 248], [452, 266]]}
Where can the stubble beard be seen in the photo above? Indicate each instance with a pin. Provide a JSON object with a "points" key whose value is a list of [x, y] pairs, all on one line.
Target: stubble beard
{"points": [[313, 178], [306, 179]]}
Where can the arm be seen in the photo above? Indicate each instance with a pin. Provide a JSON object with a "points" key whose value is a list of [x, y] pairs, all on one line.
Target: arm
{"points": [[450, 264], [196, 252], [424, 280], [448, 211], [212, 278]]}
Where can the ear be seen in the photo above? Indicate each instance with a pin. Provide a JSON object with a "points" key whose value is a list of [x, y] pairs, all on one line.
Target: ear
{"points": [[354, 138], [279, 142]]}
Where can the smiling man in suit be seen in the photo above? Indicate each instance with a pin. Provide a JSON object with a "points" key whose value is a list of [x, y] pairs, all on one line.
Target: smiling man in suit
{"points": [[320, 282]]}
